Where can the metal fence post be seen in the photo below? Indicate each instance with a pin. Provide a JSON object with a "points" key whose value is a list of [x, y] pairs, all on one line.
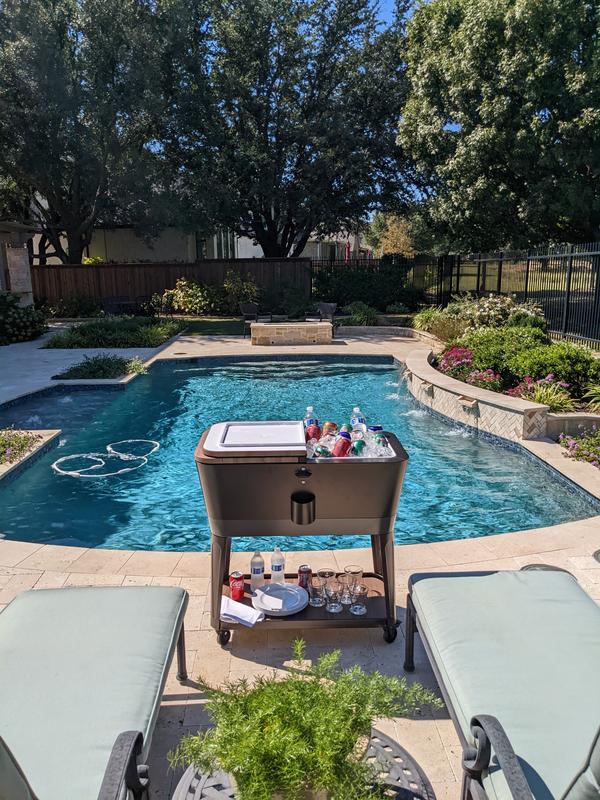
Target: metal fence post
{"points": [[565, 319], [526, 288], [500, 262], [478, 284], [457, 273]]}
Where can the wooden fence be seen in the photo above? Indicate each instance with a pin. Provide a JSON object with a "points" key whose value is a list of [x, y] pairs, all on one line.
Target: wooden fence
{"points": [[131, 281]]}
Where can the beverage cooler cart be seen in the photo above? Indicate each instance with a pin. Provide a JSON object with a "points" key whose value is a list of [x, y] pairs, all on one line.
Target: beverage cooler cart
{"points": [[258, 481]]}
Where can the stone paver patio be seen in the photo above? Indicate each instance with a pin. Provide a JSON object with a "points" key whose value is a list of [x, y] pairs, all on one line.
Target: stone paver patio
{"points": [[429, 737]]}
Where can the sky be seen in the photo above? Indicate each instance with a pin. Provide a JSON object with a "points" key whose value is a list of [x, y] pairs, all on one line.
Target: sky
{"points": [[386, 10]]}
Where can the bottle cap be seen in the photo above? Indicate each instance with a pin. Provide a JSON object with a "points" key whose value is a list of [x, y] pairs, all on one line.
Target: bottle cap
{"points": [[356, 409]]}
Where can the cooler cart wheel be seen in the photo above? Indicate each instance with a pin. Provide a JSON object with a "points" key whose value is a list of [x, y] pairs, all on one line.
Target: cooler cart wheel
{"points": [[389, 633], [223, 637]]}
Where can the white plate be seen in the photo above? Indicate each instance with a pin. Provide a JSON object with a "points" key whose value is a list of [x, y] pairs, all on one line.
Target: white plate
{"points": [[280, 599]]}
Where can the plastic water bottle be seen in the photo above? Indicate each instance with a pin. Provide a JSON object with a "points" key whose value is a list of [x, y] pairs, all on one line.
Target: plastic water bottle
{"points": [[257, 571], [310, 418], [277, 566], [357, 420]]}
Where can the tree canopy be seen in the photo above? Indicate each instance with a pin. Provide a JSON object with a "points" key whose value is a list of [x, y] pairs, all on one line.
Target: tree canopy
{"points": [[290, 121], [503, 120], [76, 113]]}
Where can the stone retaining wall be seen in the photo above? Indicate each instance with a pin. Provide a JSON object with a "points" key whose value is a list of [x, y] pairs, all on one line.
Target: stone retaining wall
{"points": [[270, 333], [497, 414]]}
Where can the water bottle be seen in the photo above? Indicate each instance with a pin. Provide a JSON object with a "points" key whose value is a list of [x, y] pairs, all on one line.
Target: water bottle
{"points": [[277, 566], [257, 571], [310, 417], [357, 420]]}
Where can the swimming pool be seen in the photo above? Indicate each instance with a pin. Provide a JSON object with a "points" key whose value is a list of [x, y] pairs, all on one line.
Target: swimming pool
{"points": [[457, 485]]}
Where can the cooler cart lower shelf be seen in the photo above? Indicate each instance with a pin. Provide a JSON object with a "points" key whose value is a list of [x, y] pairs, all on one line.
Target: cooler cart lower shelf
{"points": [[381, 605]]}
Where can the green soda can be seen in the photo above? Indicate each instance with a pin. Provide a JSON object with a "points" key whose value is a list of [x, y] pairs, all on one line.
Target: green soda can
{"points": [[347, 428], [358, 445], [381, 439], [322, 452]]}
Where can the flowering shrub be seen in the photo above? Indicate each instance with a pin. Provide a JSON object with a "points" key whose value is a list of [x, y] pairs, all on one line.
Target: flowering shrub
{"points": [[492, 311], [493, 348], [456, 362], [547, 391], [485, 379], [585, 447], [568, 362]]}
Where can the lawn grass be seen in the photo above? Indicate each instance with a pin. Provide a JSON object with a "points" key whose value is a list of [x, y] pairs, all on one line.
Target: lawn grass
{"points": [[213, 326], [104, 365]]}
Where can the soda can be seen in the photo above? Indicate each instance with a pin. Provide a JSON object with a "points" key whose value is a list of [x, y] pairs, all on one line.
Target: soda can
{"points": [[329, 429], [322, 452], [313, 432], [381, 439], [358, 445], [342, 445], [236, 586], [375, 428], [304, 576]]}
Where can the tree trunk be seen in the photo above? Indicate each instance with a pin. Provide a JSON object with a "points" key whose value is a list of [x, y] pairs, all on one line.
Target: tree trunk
{"points": [[271, 247], [76, 244]]}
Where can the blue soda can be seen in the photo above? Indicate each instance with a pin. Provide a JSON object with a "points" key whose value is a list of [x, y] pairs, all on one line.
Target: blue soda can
{"points": [[375, 428]]}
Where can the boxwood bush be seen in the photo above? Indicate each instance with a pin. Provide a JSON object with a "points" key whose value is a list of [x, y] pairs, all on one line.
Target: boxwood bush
{"points": [[19, 323], [494, 348], [567, 362]]}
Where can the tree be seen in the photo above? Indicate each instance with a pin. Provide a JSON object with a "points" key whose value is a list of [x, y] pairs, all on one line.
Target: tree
{"points": [[291, 119], [76, 106], [391, 233], [503, 120]]}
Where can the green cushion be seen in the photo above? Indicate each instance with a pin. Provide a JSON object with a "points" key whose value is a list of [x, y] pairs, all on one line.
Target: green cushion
{"points": [[13, 784], [525, 648], [586, 785], [77, 667]]}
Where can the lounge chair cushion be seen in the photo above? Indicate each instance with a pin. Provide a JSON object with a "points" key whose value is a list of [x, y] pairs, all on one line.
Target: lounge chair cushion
{"points": [[78, 666], [524, 647], [13, 784], [586, 785]]}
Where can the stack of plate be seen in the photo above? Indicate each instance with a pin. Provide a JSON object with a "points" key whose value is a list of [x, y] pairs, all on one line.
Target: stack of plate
{"points": [[280, 599]]}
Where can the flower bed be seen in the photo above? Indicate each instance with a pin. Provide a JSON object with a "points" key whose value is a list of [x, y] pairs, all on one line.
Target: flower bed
{"points": [[15, 444], [118, 332], [503, 346], [103, 366], [585, 447]]}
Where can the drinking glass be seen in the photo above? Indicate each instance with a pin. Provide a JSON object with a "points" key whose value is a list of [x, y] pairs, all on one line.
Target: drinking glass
{"points": [[359, 599], [326, 573], [317, 592], [355, 572], [333, 590], [347, 586]]}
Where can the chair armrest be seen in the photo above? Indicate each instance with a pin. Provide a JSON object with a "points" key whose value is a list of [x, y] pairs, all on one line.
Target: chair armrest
{"points": [[490, 736], [122, 768]]}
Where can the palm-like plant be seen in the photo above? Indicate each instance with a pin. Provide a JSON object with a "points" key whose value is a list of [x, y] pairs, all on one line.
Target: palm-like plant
{"points": [[592, 396]]}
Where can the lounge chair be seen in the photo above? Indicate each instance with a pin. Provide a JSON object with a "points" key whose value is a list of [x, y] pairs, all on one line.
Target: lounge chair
{"points": [[517, 658], [82, 672]]}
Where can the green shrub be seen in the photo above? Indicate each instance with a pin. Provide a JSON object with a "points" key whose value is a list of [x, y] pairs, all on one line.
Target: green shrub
{"points": [[522, 319], [376, 286], [288, 299], [15, 444], [447, 328], [397, 308], [299, 731], [103, 366], [117, 332], [190, 297], [592, 397], [493, 348], [423, 320], [74, 307], [567, 362], [238, 288], [360, 314], [19, 323], [550, 394]]}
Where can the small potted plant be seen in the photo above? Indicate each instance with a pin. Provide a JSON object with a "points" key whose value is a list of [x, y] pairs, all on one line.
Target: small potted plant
{"points": [[301, 736]]}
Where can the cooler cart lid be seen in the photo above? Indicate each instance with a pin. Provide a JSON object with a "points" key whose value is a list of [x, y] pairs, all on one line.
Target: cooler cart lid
{"points": [[264, 438]]}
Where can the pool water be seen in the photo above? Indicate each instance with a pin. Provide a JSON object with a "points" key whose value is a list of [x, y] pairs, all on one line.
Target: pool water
{"points": [[457, 485]]}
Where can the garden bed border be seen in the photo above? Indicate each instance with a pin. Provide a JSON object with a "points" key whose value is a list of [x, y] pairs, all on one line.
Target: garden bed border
{"points": [[49, 439]]}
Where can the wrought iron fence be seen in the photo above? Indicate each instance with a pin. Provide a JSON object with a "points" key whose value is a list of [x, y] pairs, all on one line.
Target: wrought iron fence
{"points": [[563, 280]]}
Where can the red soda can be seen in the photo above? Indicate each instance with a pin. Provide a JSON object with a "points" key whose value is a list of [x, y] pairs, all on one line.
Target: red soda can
{"points": [[342, 445], [304, 576], [313, 431], [236, 586]]}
